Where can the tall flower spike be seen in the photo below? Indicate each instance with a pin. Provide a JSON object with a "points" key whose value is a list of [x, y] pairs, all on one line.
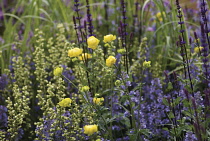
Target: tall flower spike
{"points": [[89, 19]]}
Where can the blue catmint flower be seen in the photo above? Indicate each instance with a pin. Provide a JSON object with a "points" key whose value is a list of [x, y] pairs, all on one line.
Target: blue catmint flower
{"points": [[3, 81], [3, 116]]}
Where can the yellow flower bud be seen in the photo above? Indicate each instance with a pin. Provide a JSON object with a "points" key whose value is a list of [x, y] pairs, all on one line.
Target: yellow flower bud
{"points": [[74, 52], [198, 49], [85, 56], [117, 83], [110, 61], [109, 38], [90, 129], [65, 102], [147, 64], [98, 101], [58, 71], [160, 16], [92, 42], [85, 88]]}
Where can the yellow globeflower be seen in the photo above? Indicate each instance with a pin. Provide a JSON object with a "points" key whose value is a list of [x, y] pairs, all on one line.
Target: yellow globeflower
{"points": [[85, 56], [147, 64], [58, 71], [198, 49], [109, 38], [110, 61], [65, 102], [92, 42], [90, 129], [98, 101], [160, 16], [74, 52]]}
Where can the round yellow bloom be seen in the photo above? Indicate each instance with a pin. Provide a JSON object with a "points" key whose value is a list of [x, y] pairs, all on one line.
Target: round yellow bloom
{"points": [[109, 38], [198, 49], [90, 129], [65, 102], [160, 16], [58, 71], [110, 61], [92, 42], [74, 52], [147, 64], [98, 101], [85, 56]]}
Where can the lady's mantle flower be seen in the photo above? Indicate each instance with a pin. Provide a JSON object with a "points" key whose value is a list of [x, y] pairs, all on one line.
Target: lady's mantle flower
{"points": [[85, 56], [65, 102], [92, 42], [90, 129], [98, 101], [121, 51], [110, 61], [198, 49], [147, 64], [74, 52], [58, 71], [160, 16], [109, 38]]}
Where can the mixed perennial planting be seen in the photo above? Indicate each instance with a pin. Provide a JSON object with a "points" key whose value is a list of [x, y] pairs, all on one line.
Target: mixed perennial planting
{"points": [[104, 70]]}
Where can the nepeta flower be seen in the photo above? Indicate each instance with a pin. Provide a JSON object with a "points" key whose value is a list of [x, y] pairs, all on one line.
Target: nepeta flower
{"points": [[74, 52], [3, 81], [90, 129], [65, 102], [110, 61], [92, 42], [109, 38]]}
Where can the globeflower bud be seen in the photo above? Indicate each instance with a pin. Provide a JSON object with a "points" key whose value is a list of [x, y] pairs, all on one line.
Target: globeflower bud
{"points": [[58, 71], [198, 49], [85, 56], [85, 88], [147, 64], [65, 102], [90, 129], [98, 101], [109, 38], [117, 83], [74, 52], [92, 42], [160, 16], [110, 61]]}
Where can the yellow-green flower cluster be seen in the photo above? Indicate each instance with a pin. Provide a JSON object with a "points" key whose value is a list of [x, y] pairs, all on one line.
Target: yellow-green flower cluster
{"points": [[147, 64]]}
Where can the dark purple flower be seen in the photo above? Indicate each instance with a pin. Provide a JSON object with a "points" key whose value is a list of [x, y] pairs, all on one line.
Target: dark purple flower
{"points": [[3, 81]]}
